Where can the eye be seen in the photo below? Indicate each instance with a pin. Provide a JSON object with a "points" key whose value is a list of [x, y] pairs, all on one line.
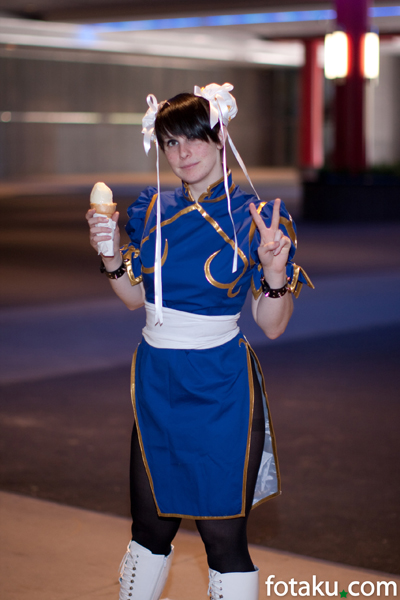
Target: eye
{"points": [[171, 143]]}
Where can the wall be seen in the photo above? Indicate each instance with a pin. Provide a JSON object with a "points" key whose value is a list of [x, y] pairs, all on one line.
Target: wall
{"points": [[383, 100], [265, 131]]}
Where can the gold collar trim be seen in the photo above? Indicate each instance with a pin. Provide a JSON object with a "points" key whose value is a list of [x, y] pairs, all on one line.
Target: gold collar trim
{"points": [[205, 197]]}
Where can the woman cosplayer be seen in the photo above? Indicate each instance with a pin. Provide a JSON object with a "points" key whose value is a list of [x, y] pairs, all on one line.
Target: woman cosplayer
{"points": [[203, 445]]}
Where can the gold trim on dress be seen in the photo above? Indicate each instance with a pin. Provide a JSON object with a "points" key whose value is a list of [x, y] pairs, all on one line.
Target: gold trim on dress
{"points": [[295, 285], [288, 224], [250, 425], [220, 231], [133, 398], [271, 427], [148, 270], [126, 252], [168, 221], [250, 356], [256, 292], [222, 286], [226, 238], [210, 188], [161, 514], [149, 209]]}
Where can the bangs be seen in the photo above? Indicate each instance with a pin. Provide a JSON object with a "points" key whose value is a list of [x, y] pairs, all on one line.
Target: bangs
{"points": [[185, 115]]}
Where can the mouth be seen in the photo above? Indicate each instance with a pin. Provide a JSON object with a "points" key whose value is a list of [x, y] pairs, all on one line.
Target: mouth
{"points": [[189, 166]]}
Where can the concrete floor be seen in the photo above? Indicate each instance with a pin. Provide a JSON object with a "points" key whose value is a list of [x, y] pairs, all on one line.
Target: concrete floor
{"points": [[53, 552]]}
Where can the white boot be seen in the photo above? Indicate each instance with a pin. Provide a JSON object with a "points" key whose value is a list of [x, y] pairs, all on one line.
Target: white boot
{"points": [[233, 586], [142, 573]]}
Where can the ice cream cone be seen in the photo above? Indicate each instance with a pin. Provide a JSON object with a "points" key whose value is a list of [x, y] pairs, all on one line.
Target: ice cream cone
{"points": [[104, 209]]}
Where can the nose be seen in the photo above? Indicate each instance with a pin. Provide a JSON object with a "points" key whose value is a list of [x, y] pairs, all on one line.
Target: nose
{"points": [[184, 149]]}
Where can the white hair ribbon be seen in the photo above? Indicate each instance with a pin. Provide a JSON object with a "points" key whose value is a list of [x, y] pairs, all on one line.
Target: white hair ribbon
{"points": [[148, 122], [241, 163], [221, 101], [223, 108]]}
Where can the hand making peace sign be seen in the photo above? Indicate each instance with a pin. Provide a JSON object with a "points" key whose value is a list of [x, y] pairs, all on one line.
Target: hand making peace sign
{"points": [[274, 247]]}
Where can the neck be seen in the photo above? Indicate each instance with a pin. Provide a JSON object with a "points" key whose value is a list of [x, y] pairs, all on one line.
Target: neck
{"points": [[197, 189], [196, 192]]}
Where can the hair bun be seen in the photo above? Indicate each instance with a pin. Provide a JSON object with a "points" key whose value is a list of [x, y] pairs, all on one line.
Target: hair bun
{"points": [[222, 103]]}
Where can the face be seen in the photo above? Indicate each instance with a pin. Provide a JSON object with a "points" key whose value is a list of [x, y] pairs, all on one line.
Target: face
{"points": [[196, 162]]}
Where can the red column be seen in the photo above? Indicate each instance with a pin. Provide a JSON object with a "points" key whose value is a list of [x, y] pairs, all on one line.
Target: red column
{"points": [[352, 17], [312, 107]]}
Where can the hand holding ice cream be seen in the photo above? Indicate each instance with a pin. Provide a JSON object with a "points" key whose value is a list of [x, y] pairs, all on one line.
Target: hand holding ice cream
{"points": [[101, 200]]}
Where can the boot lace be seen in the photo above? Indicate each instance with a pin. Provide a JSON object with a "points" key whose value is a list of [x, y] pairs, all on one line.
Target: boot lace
{"points": [[127, 574], [215, 588]]}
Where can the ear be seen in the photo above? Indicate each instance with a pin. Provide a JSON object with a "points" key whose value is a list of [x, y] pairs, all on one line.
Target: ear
{"points": [[222, 135]]}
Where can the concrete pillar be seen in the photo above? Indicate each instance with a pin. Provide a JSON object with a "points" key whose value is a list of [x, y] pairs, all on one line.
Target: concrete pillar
{"points": [[352, 17], [312, 108]]}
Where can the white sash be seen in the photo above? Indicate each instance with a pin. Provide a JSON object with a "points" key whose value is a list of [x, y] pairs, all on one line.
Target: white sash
{"points": [[187, 331]]}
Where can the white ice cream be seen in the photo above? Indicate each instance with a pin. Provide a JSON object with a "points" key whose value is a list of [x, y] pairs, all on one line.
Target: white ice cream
{"points": [[101, 194]]}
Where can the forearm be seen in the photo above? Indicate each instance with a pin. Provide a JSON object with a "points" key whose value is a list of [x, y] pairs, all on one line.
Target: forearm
{"points": [[132, 296], [273, 314]]}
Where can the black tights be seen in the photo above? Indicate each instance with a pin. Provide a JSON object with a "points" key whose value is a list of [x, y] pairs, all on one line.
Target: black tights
{"points": [[225, 540]]}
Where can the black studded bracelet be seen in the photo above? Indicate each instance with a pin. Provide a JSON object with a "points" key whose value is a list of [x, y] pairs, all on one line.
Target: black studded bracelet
{"points": [[270, 293], [113, 274]]}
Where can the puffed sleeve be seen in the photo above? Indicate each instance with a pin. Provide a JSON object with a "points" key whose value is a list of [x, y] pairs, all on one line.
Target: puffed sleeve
{"points": [[138, 213], [296, 274]]}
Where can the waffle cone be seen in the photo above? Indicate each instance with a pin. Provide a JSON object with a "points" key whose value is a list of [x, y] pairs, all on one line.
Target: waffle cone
{"points": [[105, 209]]}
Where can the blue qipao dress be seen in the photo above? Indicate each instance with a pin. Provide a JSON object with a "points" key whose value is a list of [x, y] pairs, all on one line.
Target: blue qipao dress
{"points": [[193, 407]]}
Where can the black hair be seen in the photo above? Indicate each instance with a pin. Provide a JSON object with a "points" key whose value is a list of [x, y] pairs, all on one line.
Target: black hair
{"points": [[185, 115]]}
